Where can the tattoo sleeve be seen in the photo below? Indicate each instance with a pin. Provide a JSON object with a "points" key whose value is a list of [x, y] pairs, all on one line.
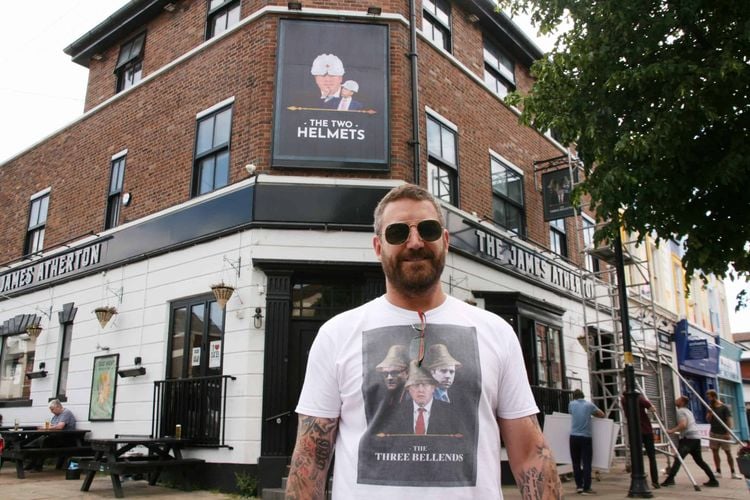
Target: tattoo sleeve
{"points": [[312, 457], [531, 460]]}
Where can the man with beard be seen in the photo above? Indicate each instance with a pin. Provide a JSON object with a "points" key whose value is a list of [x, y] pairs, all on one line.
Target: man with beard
{"points": [[411, 243]]}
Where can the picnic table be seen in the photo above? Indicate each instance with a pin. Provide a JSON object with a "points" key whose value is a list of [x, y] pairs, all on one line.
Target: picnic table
{"points": [[28, 443], [111, 456]]}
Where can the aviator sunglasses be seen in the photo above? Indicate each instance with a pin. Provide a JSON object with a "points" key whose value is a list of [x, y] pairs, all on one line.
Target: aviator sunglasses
{"points": [[398, 232]]}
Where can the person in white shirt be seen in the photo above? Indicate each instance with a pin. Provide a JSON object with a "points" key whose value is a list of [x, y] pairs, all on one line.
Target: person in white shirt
{"points": [[411, 243]]}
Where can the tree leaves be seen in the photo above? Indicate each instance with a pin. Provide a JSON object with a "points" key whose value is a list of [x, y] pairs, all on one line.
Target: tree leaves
{"points": [[656, 96]]}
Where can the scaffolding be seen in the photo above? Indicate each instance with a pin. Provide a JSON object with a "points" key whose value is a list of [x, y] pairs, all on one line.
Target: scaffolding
{"points": [[601, 337], [603, 341]]}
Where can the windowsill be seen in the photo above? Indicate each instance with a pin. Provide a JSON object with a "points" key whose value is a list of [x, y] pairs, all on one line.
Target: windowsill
{"points": [[15, 403], [61, 399]]}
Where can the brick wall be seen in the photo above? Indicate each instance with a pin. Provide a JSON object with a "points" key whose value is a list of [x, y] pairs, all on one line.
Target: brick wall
{"points": [[156, 123]]}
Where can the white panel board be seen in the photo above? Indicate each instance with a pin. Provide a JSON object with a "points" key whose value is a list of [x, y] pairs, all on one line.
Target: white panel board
{"points": [[557, 434]]}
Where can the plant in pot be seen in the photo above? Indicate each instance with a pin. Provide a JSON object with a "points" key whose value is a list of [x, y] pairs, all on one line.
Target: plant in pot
{"points": [[743, 459]]}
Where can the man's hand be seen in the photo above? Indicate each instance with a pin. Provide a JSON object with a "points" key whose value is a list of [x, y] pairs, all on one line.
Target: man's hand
{"points": [[530, 458], [312, 457]]}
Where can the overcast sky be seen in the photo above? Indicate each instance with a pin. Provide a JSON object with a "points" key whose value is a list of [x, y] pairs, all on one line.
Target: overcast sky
{"points": [[42, 89]]}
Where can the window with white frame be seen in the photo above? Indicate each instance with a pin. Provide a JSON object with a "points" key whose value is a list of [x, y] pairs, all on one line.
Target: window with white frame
{"points": [[211, 165], [222, 15], [129, 68], [558, 240], [436, 22], [507, 196], [442, 164], [114, 195], [38, 208], [17, 353], [499, 69], [589, 228]]}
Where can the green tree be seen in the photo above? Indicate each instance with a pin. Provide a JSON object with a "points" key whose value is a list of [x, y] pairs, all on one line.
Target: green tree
{"points": [[656, 96]]}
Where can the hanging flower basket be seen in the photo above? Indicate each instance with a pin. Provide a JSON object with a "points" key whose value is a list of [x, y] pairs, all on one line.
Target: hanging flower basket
{"points": [[104, 314], [223, 293], [34, 331]]}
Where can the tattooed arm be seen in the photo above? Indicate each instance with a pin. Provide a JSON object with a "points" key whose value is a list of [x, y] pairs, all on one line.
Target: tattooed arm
{"points": [[312, 456], [530, 459]]}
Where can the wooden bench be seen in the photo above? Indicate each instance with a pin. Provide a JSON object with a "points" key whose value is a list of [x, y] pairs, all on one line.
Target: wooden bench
{"points": [[113, 457], [138, 465], [60, 445]]}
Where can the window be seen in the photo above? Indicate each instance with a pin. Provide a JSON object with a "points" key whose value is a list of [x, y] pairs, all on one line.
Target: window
{"points": [[62, 378], [549, 366], [222, 15], [557, 239], [442, 170], [507, 197], [589, 228], [130, 63], [211, 169], [17, 352], [37, 222], [436, 22], [197, 335], [114, 196], [498, 70]]}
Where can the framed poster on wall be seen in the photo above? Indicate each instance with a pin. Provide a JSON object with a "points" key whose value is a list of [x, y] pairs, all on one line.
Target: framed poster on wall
{"points": [[103, 388], [331, 105]]}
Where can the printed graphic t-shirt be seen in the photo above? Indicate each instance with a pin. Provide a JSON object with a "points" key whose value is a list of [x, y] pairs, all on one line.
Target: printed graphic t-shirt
{"points": [[378, 452]]}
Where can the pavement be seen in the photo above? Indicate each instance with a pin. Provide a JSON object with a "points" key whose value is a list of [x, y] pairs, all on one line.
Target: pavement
{"points": [[615, 483]]}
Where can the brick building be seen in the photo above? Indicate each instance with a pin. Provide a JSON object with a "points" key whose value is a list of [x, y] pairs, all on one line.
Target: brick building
{"points": [[209, 152]]}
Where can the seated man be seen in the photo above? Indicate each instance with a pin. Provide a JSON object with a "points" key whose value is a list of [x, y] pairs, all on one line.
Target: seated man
{"points": [[62, 419]]}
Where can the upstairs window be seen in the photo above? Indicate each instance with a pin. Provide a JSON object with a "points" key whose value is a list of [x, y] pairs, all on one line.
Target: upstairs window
{"points": [[222, 15], [37, 222], [436, 22], [114, 196], [557, 238], [442, 166], [507, 196], [499, 72], [211, 165], [129, 67], [589, 228]]}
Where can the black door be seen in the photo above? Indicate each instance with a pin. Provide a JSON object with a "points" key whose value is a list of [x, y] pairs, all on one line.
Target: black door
{"points": [[301, 336]]}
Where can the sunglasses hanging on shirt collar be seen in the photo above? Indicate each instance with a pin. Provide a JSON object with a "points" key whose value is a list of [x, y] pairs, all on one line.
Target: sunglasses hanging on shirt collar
{"points": [[416, 347]]}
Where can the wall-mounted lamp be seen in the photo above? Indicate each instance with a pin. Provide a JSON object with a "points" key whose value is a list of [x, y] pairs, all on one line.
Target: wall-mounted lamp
{"points": [[257, 318], [41, 373], [374, 11], [472, 18], [135, 371], [294, 5]]}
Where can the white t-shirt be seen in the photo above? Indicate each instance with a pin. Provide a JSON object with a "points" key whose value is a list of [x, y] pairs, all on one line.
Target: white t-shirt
{"points": [[377, 453]]}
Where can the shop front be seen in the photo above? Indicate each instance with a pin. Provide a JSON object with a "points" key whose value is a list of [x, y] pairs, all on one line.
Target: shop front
{"points": [[698, 364], [730, 386]]}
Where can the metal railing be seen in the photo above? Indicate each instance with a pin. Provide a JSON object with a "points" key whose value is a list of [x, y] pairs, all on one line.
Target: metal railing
{"points": [[550, 400], [196, 404]]}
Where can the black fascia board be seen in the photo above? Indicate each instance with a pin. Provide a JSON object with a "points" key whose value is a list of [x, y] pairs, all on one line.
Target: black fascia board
{"points": [[122, 23], [499, 26]]}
